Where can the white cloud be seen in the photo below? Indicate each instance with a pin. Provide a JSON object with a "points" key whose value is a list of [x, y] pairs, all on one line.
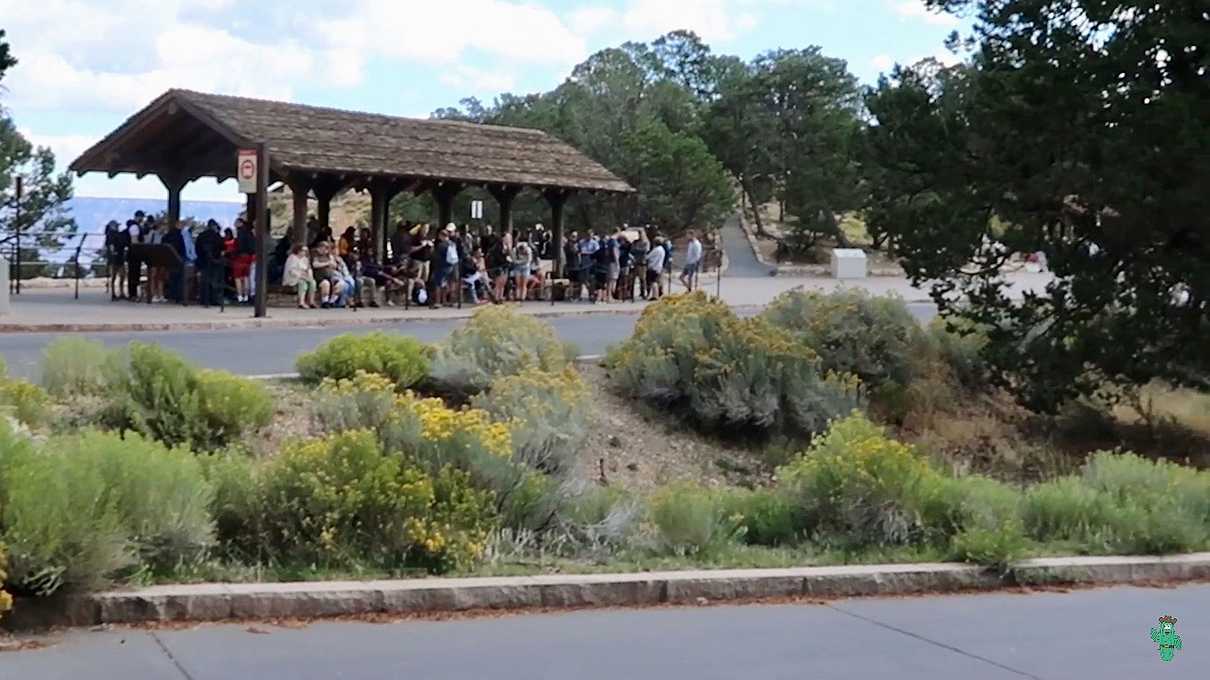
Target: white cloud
{"points": [[883, 62], [478, 80], [713, 20], [442, 32], [916, 9], [589, 20]]}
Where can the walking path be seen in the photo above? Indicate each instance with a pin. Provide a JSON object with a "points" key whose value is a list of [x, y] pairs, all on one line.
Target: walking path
{"points": [[741, 261], [55, 311]]}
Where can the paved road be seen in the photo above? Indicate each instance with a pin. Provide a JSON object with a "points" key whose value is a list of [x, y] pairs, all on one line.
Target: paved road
{"points": [[1100, 634], [741, 261], [270, 351]]}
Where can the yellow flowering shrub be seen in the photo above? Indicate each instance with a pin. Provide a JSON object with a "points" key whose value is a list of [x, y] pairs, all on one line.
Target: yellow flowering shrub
{"points": [[6, 600], [746, 376], [344, 501], [26, 402], [858, 487], [440, 423], [548, 413]]}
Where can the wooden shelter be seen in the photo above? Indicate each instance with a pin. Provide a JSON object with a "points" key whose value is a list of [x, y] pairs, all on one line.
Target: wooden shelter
{"points": [[321, 152]]}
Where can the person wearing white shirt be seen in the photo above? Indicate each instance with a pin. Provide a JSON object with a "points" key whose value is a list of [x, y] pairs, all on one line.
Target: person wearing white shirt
{"points": [[655, 270], [693, 261]]}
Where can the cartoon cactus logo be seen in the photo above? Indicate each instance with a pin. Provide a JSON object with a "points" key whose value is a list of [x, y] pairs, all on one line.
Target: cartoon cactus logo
{"points": [[1165, 636]]}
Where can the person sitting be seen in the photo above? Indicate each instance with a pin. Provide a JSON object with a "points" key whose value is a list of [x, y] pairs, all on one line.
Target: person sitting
{"points": [[347, 242], [327, 273], [386, 278], [474, 271], [299, 275], [365, 286]]}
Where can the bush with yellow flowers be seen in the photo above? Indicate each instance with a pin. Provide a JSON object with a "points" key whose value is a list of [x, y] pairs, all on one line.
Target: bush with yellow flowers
{"points": [[343, 501], [694, 355], [401, 358], [549, 416], [6, 600]]}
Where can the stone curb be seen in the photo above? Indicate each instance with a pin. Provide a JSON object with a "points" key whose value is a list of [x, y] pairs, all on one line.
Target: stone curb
{"points": [[223, 602]]}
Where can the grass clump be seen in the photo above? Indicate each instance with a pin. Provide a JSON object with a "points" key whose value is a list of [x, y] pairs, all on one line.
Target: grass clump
{"points": [[76, 366], [401, 359], [692, 520]]}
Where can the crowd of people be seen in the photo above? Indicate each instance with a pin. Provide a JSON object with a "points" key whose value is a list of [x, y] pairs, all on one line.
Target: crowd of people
{"points": [[421, 266]]}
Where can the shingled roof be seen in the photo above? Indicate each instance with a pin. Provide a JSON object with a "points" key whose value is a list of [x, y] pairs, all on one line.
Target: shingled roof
{"points": [[313, 140]]}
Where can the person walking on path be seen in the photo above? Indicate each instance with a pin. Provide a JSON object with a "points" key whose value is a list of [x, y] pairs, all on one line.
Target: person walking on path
{"points": [[693, 261]]}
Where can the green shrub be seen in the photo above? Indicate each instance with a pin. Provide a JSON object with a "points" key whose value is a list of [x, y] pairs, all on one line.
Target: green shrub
{"points": [[874, 338], [26, 402], [157, 393], [230, 406], [959, 344], [693, 520], [497, 342], [694, 356], [549, 413], [237, 504], [856, 487], [344, 501], [768, 517], [983, 517], [80, 511], [1125, 504], [402, 359], [75, 366]]}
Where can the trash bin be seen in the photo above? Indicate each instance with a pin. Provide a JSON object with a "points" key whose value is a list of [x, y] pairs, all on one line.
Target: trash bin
{"points": [[849, 263]]}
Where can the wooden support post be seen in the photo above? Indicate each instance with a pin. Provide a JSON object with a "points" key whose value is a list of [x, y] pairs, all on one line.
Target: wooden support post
{"points": [[299, 187], [444, 195], [260, 216], [557, 198], [173, 184], [505, 195], [326, 187], [378, 213]]}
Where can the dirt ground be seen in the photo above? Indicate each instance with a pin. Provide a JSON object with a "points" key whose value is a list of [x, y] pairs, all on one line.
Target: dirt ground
{"points": [[639, 450]]}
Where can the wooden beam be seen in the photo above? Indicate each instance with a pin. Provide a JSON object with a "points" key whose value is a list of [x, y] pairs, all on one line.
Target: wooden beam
{"points": [[444, 194], [299, 186], [505, 195], [557, 198], [262, 229]]}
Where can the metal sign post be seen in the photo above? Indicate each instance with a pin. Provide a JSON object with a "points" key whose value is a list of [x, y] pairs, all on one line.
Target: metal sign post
{"points": [[17, 225]]}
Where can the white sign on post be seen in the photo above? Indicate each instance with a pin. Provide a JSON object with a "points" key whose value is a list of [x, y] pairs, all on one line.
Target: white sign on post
{"points": [[246, 171], [476, 210]]}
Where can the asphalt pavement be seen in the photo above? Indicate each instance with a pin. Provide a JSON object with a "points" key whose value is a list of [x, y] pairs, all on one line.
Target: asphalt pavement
{"points": [[262, 351], [1101, 634]]}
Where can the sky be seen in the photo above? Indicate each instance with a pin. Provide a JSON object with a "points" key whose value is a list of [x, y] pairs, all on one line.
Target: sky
{"points": [[86, 65]]}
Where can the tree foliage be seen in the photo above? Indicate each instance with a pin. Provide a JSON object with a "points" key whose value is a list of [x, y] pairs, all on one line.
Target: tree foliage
{"points": [[1080, 131]]}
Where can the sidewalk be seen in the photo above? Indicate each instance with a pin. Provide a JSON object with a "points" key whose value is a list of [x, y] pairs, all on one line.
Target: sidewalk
{"points": [[55, 310]]}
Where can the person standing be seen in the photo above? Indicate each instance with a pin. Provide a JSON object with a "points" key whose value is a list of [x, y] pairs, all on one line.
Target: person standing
{"points": [[210, 264], [638, 264], [134, 264], [693, 261], [445, 260], [117, 243], [624, 262], [655, 270], [245, 257]]}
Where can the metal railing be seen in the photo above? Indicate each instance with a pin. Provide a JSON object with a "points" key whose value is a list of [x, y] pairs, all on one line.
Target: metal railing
{"points": [[12, 244]]}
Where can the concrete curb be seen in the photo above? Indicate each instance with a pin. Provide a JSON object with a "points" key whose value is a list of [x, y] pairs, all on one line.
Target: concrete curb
{"points": [[221, 602], [250, 323]]}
